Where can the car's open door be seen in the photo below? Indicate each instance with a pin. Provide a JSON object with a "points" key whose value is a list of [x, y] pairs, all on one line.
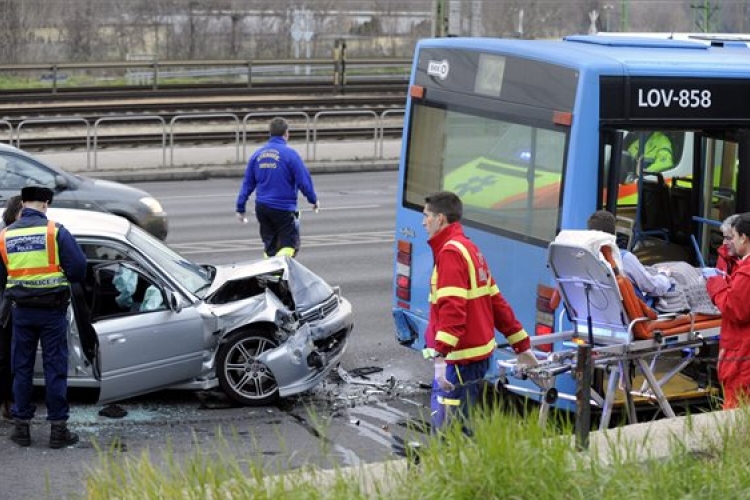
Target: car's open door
{"points": [[147, 340]]}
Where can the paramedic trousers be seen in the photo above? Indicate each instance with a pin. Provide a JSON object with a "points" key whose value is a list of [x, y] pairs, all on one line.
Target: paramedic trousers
{"points": [[467, 384], [279, 230], [50, 327]]}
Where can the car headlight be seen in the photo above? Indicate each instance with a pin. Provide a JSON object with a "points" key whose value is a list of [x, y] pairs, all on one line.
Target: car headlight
{"points": [[153, 205]]}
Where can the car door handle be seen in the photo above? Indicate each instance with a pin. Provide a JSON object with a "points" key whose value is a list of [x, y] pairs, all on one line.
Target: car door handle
{"points": [[116, 339]]}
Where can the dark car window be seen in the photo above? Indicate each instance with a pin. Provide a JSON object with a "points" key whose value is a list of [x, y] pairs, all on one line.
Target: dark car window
{"points": [[17, 172], [122, 289], [99, 252]]}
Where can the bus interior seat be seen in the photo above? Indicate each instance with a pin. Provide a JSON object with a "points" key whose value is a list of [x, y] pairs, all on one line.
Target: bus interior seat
{"points": [[654, 212], [680, 194]]}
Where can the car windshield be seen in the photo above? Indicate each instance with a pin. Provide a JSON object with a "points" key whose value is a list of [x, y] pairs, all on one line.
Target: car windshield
{"points": [[190, 275]]}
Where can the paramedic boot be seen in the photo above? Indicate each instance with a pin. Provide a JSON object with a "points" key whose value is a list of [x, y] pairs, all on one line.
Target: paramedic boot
{"points": [[21, 433], [60, 436]]}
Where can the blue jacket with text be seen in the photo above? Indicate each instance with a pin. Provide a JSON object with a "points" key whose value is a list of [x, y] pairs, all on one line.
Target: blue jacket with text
{"points": [[275, 172]]}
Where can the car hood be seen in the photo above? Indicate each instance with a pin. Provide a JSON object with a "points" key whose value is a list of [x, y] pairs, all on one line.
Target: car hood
{"points": [[122, 189], [307, 288]]}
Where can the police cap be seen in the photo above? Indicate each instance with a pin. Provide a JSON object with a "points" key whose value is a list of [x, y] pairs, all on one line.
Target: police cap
{"points": [[37, 193]]}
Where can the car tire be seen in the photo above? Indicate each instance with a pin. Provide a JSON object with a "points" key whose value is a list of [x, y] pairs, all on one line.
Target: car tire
{"points": [[241, 377]]}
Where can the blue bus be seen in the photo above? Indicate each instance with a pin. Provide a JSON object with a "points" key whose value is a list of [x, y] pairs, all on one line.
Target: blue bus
{"points": [[536, 135]]}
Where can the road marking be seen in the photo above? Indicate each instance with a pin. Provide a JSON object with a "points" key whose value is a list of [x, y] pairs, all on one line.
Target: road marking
{"points": [[322, 240]]}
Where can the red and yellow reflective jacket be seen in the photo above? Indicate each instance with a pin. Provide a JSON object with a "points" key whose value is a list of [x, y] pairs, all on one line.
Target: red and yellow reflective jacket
{"points": [[730, 296], [465, 304]]}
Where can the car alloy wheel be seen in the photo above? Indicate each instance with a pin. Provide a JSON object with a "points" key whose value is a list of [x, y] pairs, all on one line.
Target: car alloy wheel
{"points": [[241, 376]]}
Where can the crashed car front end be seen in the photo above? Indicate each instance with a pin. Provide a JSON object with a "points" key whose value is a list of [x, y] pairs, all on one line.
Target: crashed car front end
{"points": [[306, 323]]}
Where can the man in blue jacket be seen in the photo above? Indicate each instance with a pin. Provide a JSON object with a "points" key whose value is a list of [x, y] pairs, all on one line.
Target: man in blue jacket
{"points": [[40, 259], [275, 172]]}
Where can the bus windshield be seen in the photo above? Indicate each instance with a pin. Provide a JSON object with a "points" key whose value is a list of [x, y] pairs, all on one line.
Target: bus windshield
{"points": [[507, 174]]}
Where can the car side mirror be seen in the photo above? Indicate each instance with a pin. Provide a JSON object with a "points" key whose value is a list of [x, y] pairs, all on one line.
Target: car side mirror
{"points": [[174, 302], [61, 183]]}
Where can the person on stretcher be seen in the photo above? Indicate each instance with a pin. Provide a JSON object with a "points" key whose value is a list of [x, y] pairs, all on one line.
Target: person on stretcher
{"points": [[667, 287], [651, 286]]}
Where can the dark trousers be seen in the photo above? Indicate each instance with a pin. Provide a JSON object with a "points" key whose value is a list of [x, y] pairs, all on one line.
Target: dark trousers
{"points": [[6, 375], [449, 405], [50, 327], [279, 230]]}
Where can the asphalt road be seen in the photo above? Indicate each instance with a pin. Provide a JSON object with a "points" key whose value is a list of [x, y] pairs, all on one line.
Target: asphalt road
{"points": [[349, 243]]}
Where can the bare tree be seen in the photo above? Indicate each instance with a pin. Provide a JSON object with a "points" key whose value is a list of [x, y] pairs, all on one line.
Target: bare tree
{"points": [[12, 33], [525, 19], [80, 31]]}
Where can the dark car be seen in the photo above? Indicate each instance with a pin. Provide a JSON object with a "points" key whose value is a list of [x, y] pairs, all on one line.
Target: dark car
{"points": [[19, 169]]}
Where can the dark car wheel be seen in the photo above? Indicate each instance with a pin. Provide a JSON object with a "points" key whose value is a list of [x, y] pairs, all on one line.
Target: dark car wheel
{"points": [[241, 376]]}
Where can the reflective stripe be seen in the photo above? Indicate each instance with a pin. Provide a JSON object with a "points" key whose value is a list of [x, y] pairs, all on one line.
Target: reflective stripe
{"points": [[429, 353], [446, 338], [517, 337], [61, 281], [3, 251], [458, 375], [433, 285], [450, 291], [472, 352], [448, 401], [474, 291], [286, 252]]}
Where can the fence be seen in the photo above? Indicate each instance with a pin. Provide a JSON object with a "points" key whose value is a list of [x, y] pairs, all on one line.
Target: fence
{"points": [[376, 123]]}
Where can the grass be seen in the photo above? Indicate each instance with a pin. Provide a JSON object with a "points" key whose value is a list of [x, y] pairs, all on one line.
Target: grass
{"points": [[510, 457]]}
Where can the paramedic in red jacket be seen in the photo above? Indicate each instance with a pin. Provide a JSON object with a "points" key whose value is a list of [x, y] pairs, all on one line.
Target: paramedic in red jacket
{"points": [[730, 294], [465, 309]]}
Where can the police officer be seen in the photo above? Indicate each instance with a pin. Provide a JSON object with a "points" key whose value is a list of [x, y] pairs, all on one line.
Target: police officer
{"points": [[40, 259], [276, 172]]}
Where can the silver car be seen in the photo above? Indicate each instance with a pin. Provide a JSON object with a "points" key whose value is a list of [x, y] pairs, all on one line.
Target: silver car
{"points": [[148, 318]]}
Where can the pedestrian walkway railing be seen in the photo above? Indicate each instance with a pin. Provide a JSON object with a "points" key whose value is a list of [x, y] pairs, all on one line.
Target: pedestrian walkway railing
{"points": [[158, 119], [360, 112], [271, 114], [52, 121], [241, 124], [203, 116]]}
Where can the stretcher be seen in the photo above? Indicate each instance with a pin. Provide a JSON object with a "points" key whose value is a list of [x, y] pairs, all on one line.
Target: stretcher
{"points": [[626, 335]]}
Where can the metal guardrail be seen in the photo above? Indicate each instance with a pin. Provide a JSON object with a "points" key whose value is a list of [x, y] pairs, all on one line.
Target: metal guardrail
{"points": [[338, 68], [133, 118], [241, 126], [74, 119], [203, 116], [361, 112], [10, 130], [270, 114], [383, 115]]}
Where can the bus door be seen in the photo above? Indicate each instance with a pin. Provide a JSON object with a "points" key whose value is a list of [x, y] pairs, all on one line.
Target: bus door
{"points": [[722, 157], [656, 201], [647, 183]]}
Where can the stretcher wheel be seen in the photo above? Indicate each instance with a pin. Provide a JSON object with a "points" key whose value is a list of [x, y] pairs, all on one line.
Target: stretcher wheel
{"points": [[502, 381], [550, 397]]}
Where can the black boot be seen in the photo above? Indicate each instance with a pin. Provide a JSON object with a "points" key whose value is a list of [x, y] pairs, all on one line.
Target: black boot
{"points": [[21, 434], [60, 436], [6, 410]]}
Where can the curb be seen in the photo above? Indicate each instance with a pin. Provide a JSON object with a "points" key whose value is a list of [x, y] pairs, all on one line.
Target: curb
{"points": [[203, 172]]}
